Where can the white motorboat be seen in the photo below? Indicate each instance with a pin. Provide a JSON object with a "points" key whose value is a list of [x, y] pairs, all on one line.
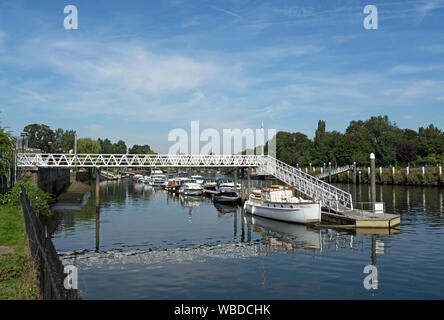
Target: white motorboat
{"points": [[145, 179], [157, 177], [227, 185], [199, 179], [279, 203], [190, 188], [182, 176], [209, 184]]}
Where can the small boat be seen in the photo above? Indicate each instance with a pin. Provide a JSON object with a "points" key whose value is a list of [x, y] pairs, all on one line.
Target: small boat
{"points": [[209, 184], [157, 177], [227, 184], [226, 196], [173, 185], [199, 179], [137, 177], [181, 176], [145, 179], [190, 188], [279, 203]]}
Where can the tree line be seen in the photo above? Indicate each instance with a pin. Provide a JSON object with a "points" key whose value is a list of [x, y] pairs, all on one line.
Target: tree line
{"points": [[391, 144], [41, 136]]}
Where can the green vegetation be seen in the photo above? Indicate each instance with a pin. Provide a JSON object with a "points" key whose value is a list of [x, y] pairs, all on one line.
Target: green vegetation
{"points": [[18, 279], [88, 145], [109, 148], [145, 149], [62, 141], [17, 271], [39, 198], [390, 144], [6, 146]]}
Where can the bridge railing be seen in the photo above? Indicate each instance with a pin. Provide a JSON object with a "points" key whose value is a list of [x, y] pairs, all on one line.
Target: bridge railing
{"points": [[335, 171], [134, 160], [314, 188]]}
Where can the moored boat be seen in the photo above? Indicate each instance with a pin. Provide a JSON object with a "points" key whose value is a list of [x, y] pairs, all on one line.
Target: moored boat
{"points": [[190, 188], [226, 196], [279, 203]]}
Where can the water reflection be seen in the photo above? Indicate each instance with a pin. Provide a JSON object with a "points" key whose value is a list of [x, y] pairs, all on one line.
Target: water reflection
{"points": [[134, 227], [283, 236]]}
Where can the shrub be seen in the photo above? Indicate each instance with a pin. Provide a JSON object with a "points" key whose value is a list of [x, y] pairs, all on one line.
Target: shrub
{"points": [[39, 199]]}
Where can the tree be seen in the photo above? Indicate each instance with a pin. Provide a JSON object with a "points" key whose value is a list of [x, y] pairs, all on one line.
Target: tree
{"points": [[136, 149], [353, 148], [405, 152], [63, 140], [40, 136], [6, 146], [119, 147], [430, 141], [106, 146], [88, 145]]}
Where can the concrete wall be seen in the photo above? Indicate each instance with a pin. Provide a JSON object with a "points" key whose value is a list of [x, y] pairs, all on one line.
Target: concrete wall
{"points": [[51, 180]]}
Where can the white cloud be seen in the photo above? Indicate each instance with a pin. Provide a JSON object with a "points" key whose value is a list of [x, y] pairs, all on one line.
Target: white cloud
{"points": [[426, 7], [198, 96], [407, 69]]}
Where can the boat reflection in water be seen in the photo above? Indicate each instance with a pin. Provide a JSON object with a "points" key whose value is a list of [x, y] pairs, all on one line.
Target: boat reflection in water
{"points": [[284, 236], [189, 201], [225, 208]]}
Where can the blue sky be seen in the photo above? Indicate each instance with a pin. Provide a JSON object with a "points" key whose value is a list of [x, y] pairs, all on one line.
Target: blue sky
{"points": [[134, 70]]}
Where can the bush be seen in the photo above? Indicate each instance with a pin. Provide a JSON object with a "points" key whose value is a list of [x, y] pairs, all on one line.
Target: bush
{"points": [[39, 199]]}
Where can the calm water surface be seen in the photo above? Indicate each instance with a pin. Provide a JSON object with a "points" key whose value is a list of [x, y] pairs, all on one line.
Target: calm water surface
{"points": [[143, 243]]}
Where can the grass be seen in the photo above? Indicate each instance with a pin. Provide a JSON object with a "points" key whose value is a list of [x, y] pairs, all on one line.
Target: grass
{"points": [[18, 280]]}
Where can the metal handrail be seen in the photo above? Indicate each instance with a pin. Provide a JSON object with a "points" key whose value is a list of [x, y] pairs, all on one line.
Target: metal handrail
{"points": [[335, 171]]}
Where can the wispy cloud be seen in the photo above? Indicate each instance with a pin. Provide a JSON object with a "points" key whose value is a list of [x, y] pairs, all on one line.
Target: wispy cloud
{"points": [[426, 7], [231, 13], [410, 69]]}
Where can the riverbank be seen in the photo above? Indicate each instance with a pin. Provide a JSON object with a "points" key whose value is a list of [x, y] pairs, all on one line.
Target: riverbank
{"points": [[18, 277]]}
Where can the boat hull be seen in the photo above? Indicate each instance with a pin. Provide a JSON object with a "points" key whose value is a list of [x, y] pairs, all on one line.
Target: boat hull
{"points": [[191, 192], [298, 213]]}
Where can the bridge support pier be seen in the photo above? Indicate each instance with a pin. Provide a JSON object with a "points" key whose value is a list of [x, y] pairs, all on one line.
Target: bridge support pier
{"points": [[97, 209]]}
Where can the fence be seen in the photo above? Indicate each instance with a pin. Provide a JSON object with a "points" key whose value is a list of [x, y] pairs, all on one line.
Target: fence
{"points": [[49, 267]]}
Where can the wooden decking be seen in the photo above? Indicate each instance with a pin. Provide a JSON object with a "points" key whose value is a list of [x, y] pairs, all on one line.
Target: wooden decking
{"points": [[362, 219]]}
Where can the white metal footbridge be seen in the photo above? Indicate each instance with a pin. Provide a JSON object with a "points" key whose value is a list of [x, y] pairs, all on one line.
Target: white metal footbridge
{"points": [[312, 187], [335, 171]]}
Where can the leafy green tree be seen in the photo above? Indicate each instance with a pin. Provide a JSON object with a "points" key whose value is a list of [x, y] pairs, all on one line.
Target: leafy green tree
{"points": [[353, 148], [119, 147], [63, 141], [106, 146], [88, 145], [405, 152], [6, 146], [430, 141], [138, 149], [40, 136]]}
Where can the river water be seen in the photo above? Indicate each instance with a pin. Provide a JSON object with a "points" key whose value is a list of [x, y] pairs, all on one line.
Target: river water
{"points": [[143, 243]]}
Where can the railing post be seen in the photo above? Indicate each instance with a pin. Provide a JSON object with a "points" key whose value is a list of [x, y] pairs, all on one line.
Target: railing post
{"points": [[373, 177]]}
